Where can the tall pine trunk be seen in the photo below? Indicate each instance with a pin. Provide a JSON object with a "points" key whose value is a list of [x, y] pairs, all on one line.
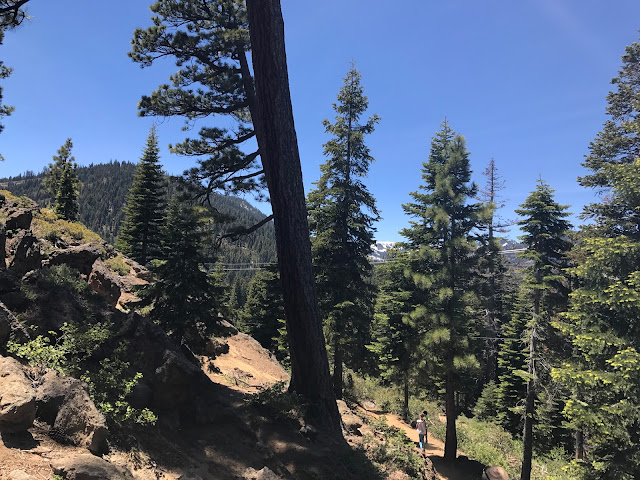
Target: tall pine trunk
{"points": [[405, 407], [451, 440], [278, 146]]}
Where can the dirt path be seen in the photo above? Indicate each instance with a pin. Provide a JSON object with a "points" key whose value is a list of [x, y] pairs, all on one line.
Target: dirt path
{"points": [[446, 470]]}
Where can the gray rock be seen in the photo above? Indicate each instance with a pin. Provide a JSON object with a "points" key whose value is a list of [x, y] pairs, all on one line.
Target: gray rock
{"points": [[264, 474], [80, 421], [17, 399], [351, 422], [10, 327], [80, 257], [19, 219], [106, 283], [88, 467], [27, 255]]}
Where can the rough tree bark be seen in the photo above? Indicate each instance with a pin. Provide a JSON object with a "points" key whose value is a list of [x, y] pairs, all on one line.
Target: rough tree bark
{"points": [[278, 147]]}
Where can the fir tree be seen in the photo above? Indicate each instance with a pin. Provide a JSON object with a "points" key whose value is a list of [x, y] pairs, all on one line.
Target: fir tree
{"points": [[603, 322], [443, 265], [394, 340], [61, 181], [264, 309], [341, 217], [66, 204], [145, 208], [51, 182], [186, 298], [545, 231]]}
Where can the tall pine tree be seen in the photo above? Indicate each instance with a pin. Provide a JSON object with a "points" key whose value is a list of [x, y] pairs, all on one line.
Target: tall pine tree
{"points": [[442, 267], [545, 236], [145, 208], [341, 217], [603, 322], [61, 182]]}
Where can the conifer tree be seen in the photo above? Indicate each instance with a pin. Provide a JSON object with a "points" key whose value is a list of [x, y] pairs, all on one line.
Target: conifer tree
{"points": [[603, 322], [54, 173], [66, 203], [61, 182], [264, 309], [145, 208], [491, 266], [442, 267], [186, 298], [394, 340], [545, 231], [341, 217]]}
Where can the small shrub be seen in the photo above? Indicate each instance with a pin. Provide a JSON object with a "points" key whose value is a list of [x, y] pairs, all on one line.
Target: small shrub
{"points": [[118, 265], [39, 352], [47, 225], [279, 402]]}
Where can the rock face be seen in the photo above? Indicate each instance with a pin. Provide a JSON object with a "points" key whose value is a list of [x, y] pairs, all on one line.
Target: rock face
{"points": [[27, 254], [106, 283], [351, 421], [17, 398], [80, 257], [63, 403], [19, 219], [10, 326], [88, 467], [264, 474]]}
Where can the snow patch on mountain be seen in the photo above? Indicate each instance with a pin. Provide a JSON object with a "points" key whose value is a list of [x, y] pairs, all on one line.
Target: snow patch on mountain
{"points": [[379, 250]]}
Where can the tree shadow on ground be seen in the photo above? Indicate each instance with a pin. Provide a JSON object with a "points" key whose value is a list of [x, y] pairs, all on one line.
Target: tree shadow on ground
{"points": [[462, 468], [21, 440]]}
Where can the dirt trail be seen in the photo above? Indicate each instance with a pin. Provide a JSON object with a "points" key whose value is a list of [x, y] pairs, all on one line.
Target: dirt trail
{"points": [[458, 470]]}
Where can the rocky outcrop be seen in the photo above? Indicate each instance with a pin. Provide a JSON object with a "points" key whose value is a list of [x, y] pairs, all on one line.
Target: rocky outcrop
{"points": [[20, 475], [264, 474], [106, 283], [26, 253], [80, 257], [10, 327], [17, 398], [19, 219], [88, 467], [64, 403], [350, 421]]}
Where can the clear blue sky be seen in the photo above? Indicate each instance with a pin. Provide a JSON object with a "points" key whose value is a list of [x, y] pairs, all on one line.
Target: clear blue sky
{"points": [[524, 81]]}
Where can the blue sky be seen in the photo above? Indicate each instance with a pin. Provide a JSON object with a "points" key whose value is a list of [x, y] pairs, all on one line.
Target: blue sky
{"points": [[524, 81]]}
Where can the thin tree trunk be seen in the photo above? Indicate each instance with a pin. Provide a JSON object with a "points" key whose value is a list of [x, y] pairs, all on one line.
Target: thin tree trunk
{"points": [[451, 440], [277, 143]]}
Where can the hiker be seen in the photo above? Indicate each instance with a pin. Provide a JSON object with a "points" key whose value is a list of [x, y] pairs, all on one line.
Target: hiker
{"points": [[421, 427], [494, 473]]}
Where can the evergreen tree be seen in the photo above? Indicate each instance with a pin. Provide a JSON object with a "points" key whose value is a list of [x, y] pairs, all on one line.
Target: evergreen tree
{"points": [[545, 231], [145, 208], [51, 182], [443, 265], [341, 217], [61, 181], [186, 298], [394, 340], [264, 309], [66, 204], [491, 266], [603, 322]]}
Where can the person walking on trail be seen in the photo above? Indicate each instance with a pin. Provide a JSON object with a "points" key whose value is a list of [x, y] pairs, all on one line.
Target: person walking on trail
{"points": [[421, 427]]}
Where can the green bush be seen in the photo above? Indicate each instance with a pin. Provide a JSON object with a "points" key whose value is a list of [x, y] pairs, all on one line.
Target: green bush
{"points": [[118, 265], [279, 403]]}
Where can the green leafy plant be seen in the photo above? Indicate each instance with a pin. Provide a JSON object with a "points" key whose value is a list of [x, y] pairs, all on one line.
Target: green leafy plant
{"points": [[118, 265], [279, 403]]}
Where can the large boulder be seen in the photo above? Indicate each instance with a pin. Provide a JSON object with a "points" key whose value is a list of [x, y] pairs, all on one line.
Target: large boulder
{"points": [[175, 379], [64, 403], [17, 397], [350, 421], [106, 283], [88, 467], [27, 255], [80, 257], [19, 219], [264, 474]]}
